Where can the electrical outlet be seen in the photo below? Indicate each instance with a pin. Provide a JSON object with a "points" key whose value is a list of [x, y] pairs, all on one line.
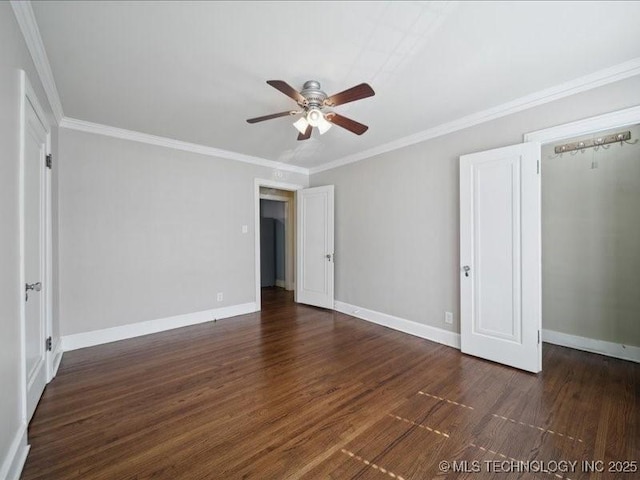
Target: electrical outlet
{"points": [[220, 296], [448, 318]]}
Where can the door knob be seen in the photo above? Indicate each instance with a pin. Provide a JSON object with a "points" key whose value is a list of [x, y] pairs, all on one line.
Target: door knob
{"points": [[466, 269], [328, 256], [31, 286]]}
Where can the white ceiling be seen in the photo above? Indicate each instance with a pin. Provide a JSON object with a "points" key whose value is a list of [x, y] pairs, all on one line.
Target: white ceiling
{"points": [[194, 71]]}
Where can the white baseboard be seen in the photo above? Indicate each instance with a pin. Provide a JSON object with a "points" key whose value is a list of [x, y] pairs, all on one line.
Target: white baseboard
{"points": [[107, 335], [452, 339], [434, 334], [281, 284], [57, 357], [13, 462], [610, 349]]}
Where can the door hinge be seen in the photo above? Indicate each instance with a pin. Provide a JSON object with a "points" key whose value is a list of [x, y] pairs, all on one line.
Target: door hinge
{"points": [[538, 337], [538, 167], [47, 344], [49, 160]]}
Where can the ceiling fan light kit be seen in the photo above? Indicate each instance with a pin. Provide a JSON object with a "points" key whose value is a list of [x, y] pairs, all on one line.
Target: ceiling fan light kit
{"points": [[313, 100], [315, 118], [301, 124]]}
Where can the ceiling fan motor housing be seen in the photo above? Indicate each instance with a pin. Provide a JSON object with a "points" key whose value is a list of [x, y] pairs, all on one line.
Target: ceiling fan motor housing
{"points": [[312, 93]]}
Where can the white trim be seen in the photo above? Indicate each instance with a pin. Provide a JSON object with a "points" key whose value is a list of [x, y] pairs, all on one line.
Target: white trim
{"points": [[56, 357], [610, 349], [123, 332], [29, 27], [290, 187], [21, 233], [281, 284], [48, 260], [13, 462], [427, 332], [99, 129], [581, 84], [261, 182], [621, 118]]}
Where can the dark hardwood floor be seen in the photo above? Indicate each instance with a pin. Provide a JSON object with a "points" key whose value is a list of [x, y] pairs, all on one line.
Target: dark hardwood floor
{"points": [[298, 392]]}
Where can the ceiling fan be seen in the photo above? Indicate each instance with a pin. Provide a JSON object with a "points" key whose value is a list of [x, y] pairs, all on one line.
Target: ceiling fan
{"points": [[313, 101]]}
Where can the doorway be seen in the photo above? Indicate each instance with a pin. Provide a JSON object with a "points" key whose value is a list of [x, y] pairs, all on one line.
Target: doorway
{"points": [[616, 337], [591, 241], [309, 273], [277, 245], [275, 213]]}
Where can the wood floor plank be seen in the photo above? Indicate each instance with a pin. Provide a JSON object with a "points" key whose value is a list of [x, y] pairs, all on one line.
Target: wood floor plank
{"points": [[298, 392]]}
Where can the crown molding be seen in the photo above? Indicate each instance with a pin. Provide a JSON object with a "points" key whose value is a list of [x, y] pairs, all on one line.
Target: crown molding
{"points": [[97, 128], [597, 79], [29, 27]]}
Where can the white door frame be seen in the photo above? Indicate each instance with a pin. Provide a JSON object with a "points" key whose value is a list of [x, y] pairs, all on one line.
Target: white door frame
{"points": [[27, 94], [607, 121], [261, 182]]}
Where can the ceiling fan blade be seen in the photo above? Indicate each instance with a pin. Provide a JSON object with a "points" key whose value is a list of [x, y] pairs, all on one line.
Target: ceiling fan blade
{"points": [[350, 95], [269, 117], [307, 133], [287, 89], [346, 123]]}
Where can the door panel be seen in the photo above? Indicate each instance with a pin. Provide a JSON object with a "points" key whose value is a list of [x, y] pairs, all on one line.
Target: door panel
{"points": [[500, 251], [315, 246], [496, 248], [35, 137]]}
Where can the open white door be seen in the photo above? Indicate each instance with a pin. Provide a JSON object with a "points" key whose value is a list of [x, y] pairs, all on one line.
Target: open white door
{"points": [[315, 246], [33, 200], [500, 256]]}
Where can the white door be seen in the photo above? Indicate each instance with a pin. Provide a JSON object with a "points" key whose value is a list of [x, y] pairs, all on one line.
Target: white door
{"points": [[35, 141], [500, 256], [315, 246]]}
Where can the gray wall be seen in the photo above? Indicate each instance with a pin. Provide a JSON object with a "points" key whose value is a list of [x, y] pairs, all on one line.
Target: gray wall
{"points": [[15, 56], [591, 241], [397, 214], [148, 232]]}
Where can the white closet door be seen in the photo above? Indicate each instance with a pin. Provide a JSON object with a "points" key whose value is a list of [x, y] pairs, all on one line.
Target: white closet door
{"points": [[500, 255]]}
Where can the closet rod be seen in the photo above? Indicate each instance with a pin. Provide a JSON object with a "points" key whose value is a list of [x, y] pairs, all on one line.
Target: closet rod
{"points": [[594, 142]]}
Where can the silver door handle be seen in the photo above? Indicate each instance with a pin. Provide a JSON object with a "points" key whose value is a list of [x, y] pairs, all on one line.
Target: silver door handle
{"points": [[330, 256], [466, 269], [31, 286]]}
